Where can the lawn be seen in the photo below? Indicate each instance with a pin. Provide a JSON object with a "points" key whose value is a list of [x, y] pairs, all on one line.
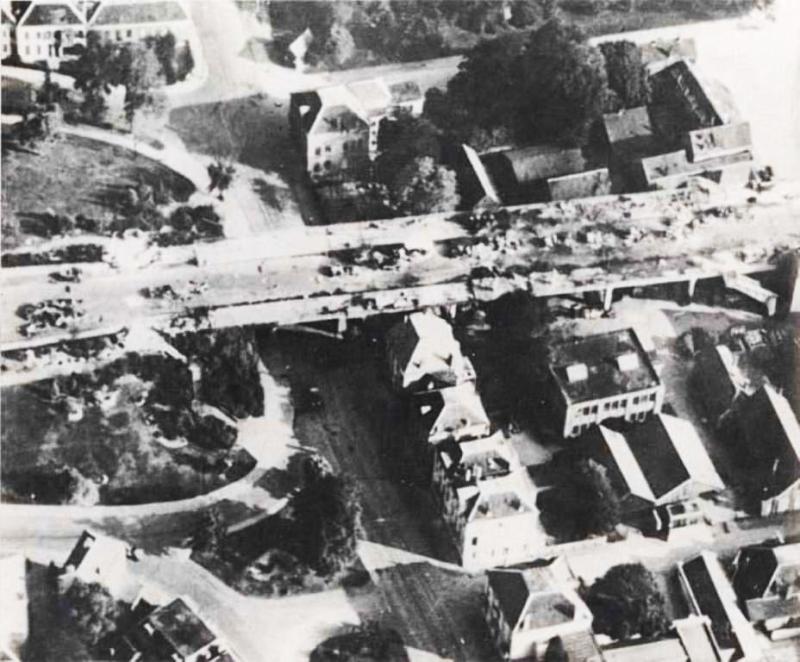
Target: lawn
{"points": [[71, 176]]}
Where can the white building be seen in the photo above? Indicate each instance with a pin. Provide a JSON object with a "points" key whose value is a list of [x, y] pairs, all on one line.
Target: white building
{"points": [[13, 607], [47, 30], [99, 559], [527, 608], [488, 501], [126, 20], [7, 31], [454, 413]]}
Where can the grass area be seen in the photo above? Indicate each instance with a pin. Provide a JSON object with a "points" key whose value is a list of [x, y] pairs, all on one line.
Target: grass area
{"points": [[94, 440], [70, 176]]}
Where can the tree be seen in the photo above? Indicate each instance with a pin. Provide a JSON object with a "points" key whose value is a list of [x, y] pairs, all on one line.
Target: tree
{"points": [[583, 502], [626, 602], [367, 642], [221, 176], [401, 140], [141, 75], [91, 609], [164, 48], [423, 187], [211, 532], [627, 76], [562, 85], [325, 519], [185, 62], [93, 76], [525, 13]]}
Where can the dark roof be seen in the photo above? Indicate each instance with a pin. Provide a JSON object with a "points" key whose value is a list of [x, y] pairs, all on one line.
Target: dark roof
{"points": [[181, 628], [677, 85], [80, 550], [138, 12], [763, 609], [530, 164], [627, 124], [55, 13], [655, 453], [587, 184], [600, 354], [709, 601], [405, 91], [511, 590], [754, 570]]}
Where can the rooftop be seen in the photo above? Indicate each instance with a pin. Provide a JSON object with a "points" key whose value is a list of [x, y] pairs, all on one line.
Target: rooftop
{"points": [[452, 408], [51, 13], [181, 627], [602, 366], [587, 184], [628, 124], [481, 459], [662, 650], [530, 164], [405, 91], [116, 12]]}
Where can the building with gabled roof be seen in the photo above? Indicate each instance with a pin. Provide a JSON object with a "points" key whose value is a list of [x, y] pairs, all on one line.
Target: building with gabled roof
{"points": [[654, 463], [716, 141], [13, 607], [488, 501], [690, 641], [47, 30], [8, 24], [454, 413], [629, 133], [101, 559], [602, 376], [424, 354], [709, 593], [529, 606], [336, 127], [131, 20], [771, 437], [767, 581], [586, 184]]}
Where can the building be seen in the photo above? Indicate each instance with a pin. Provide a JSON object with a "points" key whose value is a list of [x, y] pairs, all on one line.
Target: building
{"points": [[587, 184], [771, 438], [98, 558], [13, 607], [629, 133], [488, 501], [661, 461], [7, 32], [47, 31], [129, 20], [336, 127], [716, 141], [767, 581], [690, 641], [717, 380], [709, 593], [607, 375], [528, 607], [674, 170], [454, 413], [686, 98], [172, 632], [424, 355]]}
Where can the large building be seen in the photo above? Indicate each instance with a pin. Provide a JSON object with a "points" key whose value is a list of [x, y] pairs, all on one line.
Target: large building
{"points": [[104, 560], [454, 413], [488, 501], [658, 462], [336, 127], [48, 31], [125, 20], [13, 607], [527, 608], [608, 375]]}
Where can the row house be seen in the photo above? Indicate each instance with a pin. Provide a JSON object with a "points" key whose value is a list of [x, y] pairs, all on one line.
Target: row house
{"points": [[709, 593], [659, 462], [488, 501], [602, 376], [336, 127], [529, 608], [424, 355], [766, 579]]}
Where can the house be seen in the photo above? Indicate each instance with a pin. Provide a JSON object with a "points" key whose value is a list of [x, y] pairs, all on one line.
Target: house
{"points": [[47, 30], [658, 462], [752, 289], [691, 640], [528, 607], [674, 170], [607, 375], [7, 32], [424, 355], [718, 141], [717, 379], [13, 607], [172, 632], [629, 133], [771, 437], [336, 127], [767, 581], [679, 89], [454, 413], [661, 53], [709, 593], [129, 20], [101, 559], [587, 184], [488, 501], [520, 175]]}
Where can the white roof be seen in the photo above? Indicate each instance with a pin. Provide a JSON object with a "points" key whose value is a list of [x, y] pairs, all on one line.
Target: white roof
{"points": [[495, 443], [786, 416], [365, 98], [691, 450], [462, 406], [628, 466]]}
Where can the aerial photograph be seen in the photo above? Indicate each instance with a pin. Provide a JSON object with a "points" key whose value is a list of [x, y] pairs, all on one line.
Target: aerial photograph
{"points": [[400, 330]]}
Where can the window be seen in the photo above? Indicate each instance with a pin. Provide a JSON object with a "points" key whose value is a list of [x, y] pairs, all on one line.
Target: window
{"points": [[130, 33], [652, 397], [575, 431], [636, 399], [594, 409], [606, 405], [318, 151], [475, 540], [119, 35], [345, 146], [317, 167], [585, 411], [327, 165], [327, 148]]}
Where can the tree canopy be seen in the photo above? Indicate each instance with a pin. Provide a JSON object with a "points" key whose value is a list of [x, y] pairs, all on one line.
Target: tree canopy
{"points": [[91, 609], [583, 501], [550, 88], [367, 642], [424, 187], [403, 139], [626, 601], [627, 77]]}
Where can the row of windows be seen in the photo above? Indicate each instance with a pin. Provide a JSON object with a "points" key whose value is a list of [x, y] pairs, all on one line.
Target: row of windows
{"points": [[348, 145], [619, 404], [47, 34]]}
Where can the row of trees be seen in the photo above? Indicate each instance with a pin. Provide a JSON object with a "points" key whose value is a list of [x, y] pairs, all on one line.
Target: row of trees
{"points": [[551, 87]]}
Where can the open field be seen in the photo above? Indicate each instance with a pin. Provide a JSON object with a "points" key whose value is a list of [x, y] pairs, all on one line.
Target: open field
{"points": [[71, 176]]}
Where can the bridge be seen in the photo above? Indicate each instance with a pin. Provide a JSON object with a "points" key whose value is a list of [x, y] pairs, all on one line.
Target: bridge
{"points": [[594, 246]]}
